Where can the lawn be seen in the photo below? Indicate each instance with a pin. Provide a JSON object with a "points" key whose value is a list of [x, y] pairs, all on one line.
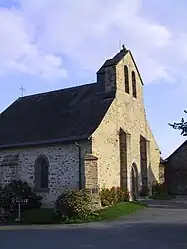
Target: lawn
{"points": [[46, 215], [119, 210]]}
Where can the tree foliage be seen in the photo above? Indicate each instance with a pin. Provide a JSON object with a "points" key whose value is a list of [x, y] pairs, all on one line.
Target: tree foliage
{"points": [[182, 126]]}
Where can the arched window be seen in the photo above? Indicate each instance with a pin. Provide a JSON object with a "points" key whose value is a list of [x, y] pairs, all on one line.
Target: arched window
{"points": [[41, 176], [126, 79], [134, 93]]}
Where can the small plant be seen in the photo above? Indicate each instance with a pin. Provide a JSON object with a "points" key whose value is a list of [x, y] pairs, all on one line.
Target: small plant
{"points": [[159, 189], [115, 195], [73, 204], [126, 195], [106, 197]]}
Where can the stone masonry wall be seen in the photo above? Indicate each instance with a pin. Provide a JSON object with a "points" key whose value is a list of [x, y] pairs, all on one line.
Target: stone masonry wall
{"points": [[127, 113], [63, 167], [8, 174], [108, 75], [91, 172]]}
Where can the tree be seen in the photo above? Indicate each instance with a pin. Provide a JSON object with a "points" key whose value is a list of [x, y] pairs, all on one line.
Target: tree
{"points": [[180, 126]]}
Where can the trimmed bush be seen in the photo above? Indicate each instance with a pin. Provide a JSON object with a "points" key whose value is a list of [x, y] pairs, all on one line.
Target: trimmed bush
{"points": [[113, 196], [74, 204]]}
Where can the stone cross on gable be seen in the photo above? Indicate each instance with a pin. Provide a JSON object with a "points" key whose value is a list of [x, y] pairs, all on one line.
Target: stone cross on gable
{"points": [[22, 91]]}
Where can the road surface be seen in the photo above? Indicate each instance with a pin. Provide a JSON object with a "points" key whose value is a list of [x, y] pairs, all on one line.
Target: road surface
{"points": [[152, 228]]}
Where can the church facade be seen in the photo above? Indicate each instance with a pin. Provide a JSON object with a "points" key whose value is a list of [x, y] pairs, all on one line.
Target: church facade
{"points": [[90, 136]]}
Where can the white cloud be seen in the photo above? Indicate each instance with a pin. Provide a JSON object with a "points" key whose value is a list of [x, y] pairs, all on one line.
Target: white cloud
{"points": [[34, 37], [20, 53]]}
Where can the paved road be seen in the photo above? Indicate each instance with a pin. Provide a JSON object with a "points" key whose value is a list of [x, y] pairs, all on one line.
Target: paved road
{"points": [[153, 228]]}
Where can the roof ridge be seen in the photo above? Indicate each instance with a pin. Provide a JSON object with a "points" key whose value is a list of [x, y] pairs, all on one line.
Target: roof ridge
{"points": [[53, 91]]}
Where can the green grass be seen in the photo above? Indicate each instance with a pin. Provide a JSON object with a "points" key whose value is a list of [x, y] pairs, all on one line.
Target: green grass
{"points": [[119, 210], [46, 215]]}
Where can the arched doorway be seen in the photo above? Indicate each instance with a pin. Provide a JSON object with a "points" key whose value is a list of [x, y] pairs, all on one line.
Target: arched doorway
{"points": [[134, 181]]}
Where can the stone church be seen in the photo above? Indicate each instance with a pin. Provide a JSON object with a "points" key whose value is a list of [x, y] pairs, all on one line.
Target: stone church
{"points": [[90, 136]]}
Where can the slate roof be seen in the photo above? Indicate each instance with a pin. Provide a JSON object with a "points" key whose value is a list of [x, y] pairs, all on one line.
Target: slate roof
{"points": [[178, 149], [57, 116], [111, 62]]}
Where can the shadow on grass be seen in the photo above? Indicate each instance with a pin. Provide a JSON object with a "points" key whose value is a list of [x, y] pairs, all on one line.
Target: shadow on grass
{"points": [[44, 216]]}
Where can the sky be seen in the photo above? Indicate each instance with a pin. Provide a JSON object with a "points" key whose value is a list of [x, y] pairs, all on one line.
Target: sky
{"points": [[53, 44]]}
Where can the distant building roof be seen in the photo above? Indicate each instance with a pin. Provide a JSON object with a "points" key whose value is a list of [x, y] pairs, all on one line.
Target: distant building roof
{"points": [[162, 161], [182, 145]]}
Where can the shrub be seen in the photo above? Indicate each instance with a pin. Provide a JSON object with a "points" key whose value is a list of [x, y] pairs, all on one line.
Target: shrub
{"points": [[7, 201], [122, 195], [74, 204], [126, 195], [105, 203], [159, 189], [21, 190], [144, 190], [113, 196], [106, 197]]}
